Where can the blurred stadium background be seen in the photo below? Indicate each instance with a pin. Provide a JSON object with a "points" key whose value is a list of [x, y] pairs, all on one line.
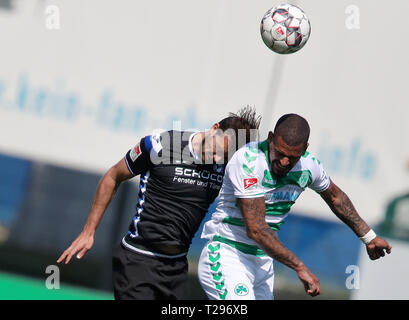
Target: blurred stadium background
{"points": [[82, 80]]}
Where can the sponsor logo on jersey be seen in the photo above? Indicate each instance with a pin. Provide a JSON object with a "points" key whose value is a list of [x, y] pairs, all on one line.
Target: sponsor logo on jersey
{"points": [[135, 152], [286, 195], [204, 174], [249, 182], [241, 289], [303, 179]]}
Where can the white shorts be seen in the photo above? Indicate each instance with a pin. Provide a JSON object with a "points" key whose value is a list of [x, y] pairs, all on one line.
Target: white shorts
{"points": [[226, 273]]}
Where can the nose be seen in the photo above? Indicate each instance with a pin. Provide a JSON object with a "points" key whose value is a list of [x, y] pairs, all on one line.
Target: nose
{"points": [[284, 162]]}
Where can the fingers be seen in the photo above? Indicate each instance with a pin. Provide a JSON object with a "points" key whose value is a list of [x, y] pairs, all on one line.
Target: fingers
{"points": [[387, 247], [310, 282], [377, 249], [64, 255], [82, 253], [315, 290], [376, 254], [67, 255], [61, 258], [78, 247]]}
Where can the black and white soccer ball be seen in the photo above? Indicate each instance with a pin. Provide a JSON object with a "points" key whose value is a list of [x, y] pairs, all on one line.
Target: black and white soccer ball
{"points": [[285, 28]]}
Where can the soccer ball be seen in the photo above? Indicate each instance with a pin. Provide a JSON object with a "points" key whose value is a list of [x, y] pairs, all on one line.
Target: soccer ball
{"points": [[285, 29]]}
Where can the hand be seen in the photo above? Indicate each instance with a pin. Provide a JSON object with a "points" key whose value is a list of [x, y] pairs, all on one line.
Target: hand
{"points": [[309, 280], [82, 244], [376, 248]]}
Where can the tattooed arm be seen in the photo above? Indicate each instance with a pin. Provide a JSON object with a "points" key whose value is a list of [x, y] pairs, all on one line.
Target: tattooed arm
{"points": [[343, 208], [257, 229]]}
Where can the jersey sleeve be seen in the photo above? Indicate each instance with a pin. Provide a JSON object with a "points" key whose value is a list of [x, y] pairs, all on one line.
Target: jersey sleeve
{"points": [[138, 158], [243, 175], [320, 179]]}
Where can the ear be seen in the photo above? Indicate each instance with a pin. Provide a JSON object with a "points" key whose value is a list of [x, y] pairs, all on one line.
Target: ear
{"points": [[214, 128], [306, 147]]}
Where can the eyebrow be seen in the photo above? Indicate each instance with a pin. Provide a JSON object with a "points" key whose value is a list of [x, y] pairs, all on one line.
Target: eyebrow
{"points": [[285, 155]]}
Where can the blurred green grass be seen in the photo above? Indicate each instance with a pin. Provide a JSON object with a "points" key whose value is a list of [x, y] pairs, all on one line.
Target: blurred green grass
{"points": [[13, 287]]}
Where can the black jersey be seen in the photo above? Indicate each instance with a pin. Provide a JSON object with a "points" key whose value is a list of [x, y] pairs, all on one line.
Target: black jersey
{"points": [[175, 191]]}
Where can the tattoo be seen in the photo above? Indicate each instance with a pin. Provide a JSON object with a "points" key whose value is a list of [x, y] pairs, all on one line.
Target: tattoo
{"points": [[274, 248], [257, 229], [343, 208]]}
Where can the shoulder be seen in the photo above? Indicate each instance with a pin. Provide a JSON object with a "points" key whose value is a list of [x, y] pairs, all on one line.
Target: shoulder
{"points": [[155, 141], [248, 160], [320, 180], [152, 144], [172, 139], [252, 150], [309, 161]]}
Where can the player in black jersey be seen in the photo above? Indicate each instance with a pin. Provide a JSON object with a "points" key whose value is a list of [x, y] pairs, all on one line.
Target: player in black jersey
{"points": [[180, 176]]}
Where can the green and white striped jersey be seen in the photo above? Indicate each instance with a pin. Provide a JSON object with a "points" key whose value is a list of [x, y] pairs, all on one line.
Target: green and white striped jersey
{"points": [[248, 175]]}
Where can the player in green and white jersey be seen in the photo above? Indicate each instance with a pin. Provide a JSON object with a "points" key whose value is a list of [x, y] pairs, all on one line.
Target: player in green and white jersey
{"points": [[262, 181]]}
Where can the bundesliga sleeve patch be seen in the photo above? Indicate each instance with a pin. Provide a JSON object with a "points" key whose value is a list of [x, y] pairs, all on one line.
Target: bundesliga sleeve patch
{"points": [[248, 183], [135, 152]]}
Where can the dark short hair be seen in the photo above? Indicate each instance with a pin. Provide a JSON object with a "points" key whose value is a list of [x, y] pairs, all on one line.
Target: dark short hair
{"points": [[293, 129], [246, 118]]}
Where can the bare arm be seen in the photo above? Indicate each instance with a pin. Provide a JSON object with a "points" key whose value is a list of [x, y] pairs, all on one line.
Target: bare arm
{"points": [[106, 190], [257, 229], [343, 208]]}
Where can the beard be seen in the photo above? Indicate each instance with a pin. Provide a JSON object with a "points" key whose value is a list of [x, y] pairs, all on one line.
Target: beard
{"points": [[279, 171]]}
